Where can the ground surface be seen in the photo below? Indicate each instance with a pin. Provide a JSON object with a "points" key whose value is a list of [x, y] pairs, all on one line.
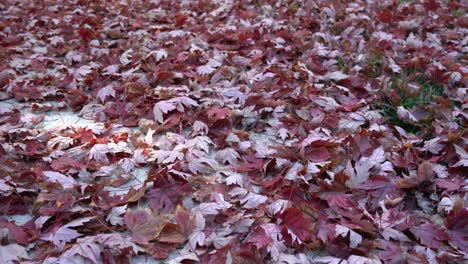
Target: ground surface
{"points": [[233, 131]]}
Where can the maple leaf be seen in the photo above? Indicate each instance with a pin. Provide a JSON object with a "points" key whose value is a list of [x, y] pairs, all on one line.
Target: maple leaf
{"points": [[330, 260], [160, 250], [277, 206], [83, 71], [197, 237], [162, 108], [167, 197], [388, 233], [171, 233], [220, 238], [446, 204], [406, 115], [64, 163], [4, 187], [12, 253], [227, 155], [293, 259], [127, 164], [214, 114], [114, 241], [203, 165], [457, 225], [205, 69], [381, 188], [64, 233], [434, 145], [283, 133], [208, 208], [184, 221], [110, 70], [297, 224], [252, 200], [440, 170], [352, 123], [277, 247], [64, 180], [145, 225], [114, 217], [89, 250], [248, 199], [263, 151], [90, 110], [353, 259], [126, 57], [200, 142], [354, 238], [158, 54], [73, 56], [429, 235], [183, 101], [200, 127], [106, 91], [234, 178], [60, 142], [18, 233], [234, 94], [395, 68], [362, 168], [183, 257], [91, 247], [263, 76], [360, 173], [293, 172], [213, 208], [243, 225], [463, 156], [425, 172], [166, 156], [98, 152], [336, 76]]}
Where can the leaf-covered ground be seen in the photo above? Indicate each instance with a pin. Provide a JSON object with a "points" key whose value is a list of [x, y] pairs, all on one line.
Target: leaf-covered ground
{"points": [[234, 131]]}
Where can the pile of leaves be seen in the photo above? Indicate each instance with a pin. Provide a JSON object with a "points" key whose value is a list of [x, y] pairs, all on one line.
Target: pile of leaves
{"points": [[270, 131]]}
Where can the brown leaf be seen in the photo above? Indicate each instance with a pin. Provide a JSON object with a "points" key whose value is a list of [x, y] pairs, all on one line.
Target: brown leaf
{"points": [[171, 233], [160, 250], [145, 225], [425, 172]]}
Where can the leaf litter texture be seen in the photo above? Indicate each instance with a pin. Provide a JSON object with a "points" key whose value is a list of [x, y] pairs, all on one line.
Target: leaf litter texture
{"points": [[270, 132]]}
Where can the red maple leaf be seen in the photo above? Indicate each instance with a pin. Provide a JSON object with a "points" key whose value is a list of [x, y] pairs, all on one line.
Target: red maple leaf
{"points": [[160, 250], [259, 238], [429, 234], [214, 114], [380, 188], [167, 197], [171, 233], [17, 232], [298, 223], [145, 225], [185, 222], [425, 172], [64, 163], [457, 225]]}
